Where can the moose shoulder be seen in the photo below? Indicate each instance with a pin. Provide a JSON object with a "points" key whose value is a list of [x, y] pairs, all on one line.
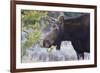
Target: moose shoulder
{"points": [[74, 29]]}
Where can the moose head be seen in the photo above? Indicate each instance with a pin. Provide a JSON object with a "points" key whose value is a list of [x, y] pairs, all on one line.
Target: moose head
{"points": [[52, 37]]}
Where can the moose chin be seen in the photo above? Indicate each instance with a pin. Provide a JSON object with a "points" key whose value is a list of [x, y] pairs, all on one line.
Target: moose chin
{"points": [[74, 29]]}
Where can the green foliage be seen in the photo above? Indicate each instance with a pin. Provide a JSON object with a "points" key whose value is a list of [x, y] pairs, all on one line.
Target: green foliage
{"points": [[30, 20], [31, 39], [31, 17]]}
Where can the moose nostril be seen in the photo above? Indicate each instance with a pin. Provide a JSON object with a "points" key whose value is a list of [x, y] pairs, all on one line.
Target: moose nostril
{"points": [[46, 43]]}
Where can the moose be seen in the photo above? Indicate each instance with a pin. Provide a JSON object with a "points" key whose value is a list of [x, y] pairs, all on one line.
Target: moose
{"points": [[74, 29]]}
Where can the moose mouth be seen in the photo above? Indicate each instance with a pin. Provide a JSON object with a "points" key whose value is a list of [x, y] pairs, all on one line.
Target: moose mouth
{"points": [[48, 43]]}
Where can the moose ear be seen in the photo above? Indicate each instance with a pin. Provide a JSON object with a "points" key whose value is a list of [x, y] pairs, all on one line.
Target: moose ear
{"points": [[61, 19]]}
